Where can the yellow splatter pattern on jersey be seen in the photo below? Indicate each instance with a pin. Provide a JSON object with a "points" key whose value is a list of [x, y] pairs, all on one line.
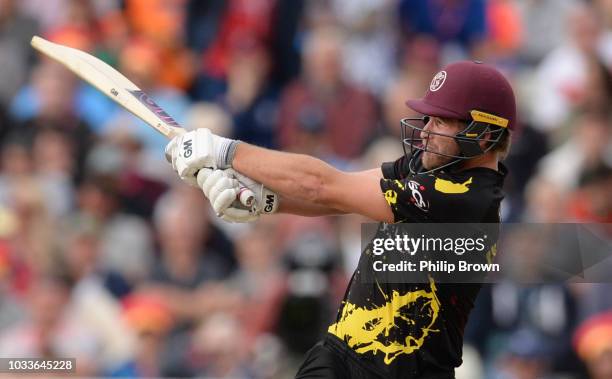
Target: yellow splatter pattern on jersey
{"points": [[446, 186], [368, 329], [391, 197]]}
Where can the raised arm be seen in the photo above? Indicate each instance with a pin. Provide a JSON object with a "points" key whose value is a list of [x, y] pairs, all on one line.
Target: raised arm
{"points": [[318, 186], [313, 186]]}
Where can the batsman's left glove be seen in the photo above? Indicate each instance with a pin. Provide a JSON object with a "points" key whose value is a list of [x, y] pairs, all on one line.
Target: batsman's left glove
{"points": [[223, 189]]}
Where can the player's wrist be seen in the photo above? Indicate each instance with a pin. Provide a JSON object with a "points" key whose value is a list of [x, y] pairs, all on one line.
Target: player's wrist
{"points": [[226, 152]]}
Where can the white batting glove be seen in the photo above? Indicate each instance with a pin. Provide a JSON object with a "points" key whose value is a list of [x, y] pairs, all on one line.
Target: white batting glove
{"points": [[194, 150], [266, 200], [223, 191]]}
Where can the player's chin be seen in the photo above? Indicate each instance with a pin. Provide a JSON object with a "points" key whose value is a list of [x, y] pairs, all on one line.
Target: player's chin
{"points": [[432, 161], [426, 160]]}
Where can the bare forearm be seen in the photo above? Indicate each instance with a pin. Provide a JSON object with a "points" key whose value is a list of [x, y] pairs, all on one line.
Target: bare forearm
{"points": [[314, 187], [302, 208], [295, 176]]}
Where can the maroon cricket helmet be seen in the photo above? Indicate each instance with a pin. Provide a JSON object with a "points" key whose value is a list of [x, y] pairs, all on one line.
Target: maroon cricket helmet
{"points": [[473, 92], [462, 87]]}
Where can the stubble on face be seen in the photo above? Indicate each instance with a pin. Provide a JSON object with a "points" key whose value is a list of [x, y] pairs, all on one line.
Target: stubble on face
{"points": [[442, 145]]}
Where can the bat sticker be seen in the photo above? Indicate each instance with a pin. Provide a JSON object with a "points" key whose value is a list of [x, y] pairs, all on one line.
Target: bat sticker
{"points": [[159, 112]]}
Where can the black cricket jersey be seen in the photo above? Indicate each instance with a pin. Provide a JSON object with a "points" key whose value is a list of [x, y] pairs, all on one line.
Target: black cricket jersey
{"points": [[404, 330]]}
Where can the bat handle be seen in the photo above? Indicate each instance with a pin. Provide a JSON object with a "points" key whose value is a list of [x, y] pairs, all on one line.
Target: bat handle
{"points": [[246, 197]]}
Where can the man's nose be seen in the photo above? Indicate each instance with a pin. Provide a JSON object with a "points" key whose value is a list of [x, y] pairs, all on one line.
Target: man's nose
{"points": [[427, 126]]}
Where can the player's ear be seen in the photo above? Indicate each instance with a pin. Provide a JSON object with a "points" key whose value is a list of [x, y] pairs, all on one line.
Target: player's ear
{"points": [[485, 140]]}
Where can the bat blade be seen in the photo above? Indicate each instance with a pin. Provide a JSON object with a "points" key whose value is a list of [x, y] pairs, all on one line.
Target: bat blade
{"points": [[111, 83], [119, 88]]}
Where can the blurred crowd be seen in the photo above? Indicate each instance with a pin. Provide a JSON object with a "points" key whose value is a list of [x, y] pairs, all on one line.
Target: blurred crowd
{"points": [[106, 257]]}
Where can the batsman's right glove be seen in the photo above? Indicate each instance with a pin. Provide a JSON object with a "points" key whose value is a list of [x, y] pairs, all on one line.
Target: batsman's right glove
{"points": [[224, 189]]}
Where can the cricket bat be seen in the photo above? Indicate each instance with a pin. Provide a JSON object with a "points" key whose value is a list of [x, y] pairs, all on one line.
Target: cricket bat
{"points": [[120, 89]]}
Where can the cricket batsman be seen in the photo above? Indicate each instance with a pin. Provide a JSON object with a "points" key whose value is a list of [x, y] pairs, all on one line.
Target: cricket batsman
{"points": [[451, 172]]}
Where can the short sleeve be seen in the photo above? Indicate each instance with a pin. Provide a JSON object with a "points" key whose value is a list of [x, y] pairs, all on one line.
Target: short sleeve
{"points": [[394, 170]]}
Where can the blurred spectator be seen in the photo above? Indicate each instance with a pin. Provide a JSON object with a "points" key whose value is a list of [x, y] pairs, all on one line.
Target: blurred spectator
{"points": [[121, 155], [593, 343], [98, 204], [53, 13], [545, 201], [209, 116], [93, 296], [529, 145], [11, 310], [114, 36], [242, 21], [81, 256], [260, 280], [52, 93], [85, 102], [183, 262], [250, 97], [312, 260], [527, 357], [51, 330], [320, 113], [589, 143], [285, 41], [15, 164], [544, 23], [459, 26], [202, 23], [32, 246], [561, 79], [593, 297], [505, 31], [592, 202], [16, 29], [160, 22], [370, 45], [604, 9], [187, 276], [217, 344], [524, 326], [80, 27], [53, 155], [597, 92], [150, 320]]}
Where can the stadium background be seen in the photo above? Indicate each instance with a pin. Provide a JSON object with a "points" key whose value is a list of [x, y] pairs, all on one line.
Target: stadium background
{"points": [[106, 257]]}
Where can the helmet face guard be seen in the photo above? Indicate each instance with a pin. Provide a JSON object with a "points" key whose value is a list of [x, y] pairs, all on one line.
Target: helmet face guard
{"points": [[468, 139]]}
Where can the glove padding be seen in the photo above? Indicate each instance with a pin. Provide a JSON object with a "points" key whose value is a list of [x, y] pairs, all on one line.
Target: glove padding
{"points": [[223, 188], [192, 151]]}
